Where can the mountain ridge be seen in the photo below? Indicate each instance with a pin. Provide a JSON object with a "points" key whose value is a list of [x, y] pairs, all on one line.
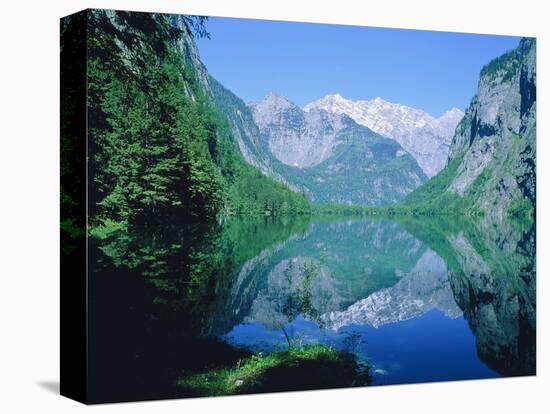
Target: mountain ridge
{"points": [[425, 137], [332, 158]]}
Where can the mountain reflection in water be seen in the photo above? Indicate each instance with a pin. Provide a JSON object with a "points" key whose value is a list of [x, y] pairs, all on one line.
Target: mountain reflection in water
{"points": [[419, 299]]}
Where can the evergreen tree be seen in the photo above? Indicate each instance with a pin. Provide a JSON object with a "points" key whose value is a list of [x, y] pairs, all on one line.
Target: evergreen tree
{"points": [[159, 151]]}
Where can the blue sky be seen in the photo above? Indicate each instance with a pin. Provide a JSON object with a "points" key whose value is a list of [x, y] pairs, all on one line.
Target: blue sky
{"points": [[433, 71]]}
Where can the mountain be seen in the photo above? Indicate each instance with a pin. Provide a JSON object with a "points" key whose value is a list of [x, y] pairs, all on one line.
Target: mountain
{"points": [[297, 138], [326, 156], [244, 132], [426, 138], [331, 158], [491, 165], [236, 126]]}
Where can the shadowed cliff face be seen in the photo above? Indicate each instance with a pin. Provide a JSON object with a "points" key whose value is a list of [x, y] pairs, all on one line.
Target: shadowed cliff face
{"points": [[495, 286]]}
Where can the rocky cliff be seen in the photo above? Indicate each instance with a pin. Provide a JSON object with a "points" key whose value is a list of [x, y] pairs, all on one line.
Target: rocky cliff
{"points": [[297, 138], [243, 132], [493, 152]]}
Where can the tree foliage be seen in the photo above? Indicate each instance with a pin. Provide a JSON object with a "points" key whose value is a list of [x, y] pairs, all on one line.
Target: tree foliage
{"points": [[159, 150]]}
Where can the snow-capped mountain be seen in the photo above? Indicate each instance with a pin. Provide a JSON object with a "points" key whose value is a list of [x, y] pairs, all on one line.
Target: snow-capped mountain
{"points": [[332, 158], [426, 138]]}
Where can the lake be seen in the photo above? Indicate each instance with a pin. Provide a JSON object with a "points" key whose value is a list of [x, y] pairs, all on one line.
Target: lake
{"points": [[415, 299]]}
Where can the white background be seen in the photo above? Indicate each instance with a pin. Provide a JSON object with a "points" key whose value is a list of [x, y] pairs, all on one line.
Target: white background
{"points": [[29, 264]]}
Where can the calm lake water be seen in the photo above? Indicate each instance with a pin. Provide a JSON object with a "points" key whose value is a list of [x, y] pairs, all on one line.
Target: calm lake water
{"points": [[418, 300]]}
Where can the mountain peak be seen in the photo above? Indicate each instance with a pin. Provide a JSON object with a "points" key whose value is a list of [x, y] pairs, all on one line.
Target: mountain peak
{"points": [[329, 103], [448, 122], [270, 108], [453, 112], [275, 100], [335, 97]]}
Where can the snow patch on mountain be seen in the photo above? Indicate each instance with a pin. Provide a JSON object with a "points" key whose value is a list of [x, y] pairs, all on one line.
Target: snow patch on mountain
{"points": [[425, 137]]}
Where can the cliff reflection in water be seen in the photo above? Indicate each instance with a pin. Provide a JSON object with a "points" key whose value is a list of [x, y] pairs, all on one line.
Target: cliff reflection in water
{"points": [[495, 285]]}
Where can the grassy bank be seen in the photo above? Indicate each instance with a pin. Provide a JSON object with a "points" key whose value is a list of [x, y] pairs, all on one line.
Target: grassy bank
{"points": [[304, 368]]}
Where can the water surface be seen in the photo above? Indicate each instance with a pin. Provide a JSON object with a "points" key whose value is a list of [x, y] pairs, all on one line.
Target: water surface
{"points": [[416, 299]]}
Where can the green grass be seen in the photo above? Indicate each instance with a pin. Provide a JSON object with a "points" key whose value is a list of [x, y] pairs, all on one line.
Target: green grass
{"points": [[308, 367]]}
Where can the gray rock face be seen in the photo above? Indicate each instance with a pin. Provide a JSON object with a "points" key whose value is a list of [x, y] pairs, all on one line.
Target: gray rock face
{"points": [[495, 143], [426, 138], [297, 138], [245, 132], [190, 52]]}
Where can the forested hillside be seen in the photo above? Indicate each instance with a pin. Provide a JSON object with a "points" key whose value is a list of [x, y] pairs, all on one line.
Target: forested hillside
{"points": [[159, 151]]}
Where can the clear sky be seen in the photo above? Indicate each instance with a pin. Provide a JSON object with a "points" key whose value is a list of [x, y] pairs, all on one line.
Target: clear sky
{"points": [[433, 71]]}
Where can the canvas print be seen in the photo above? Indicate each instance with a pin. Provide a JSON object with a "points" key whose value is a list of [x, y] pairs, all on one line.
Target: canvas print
{"points": [[255, 206]]}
